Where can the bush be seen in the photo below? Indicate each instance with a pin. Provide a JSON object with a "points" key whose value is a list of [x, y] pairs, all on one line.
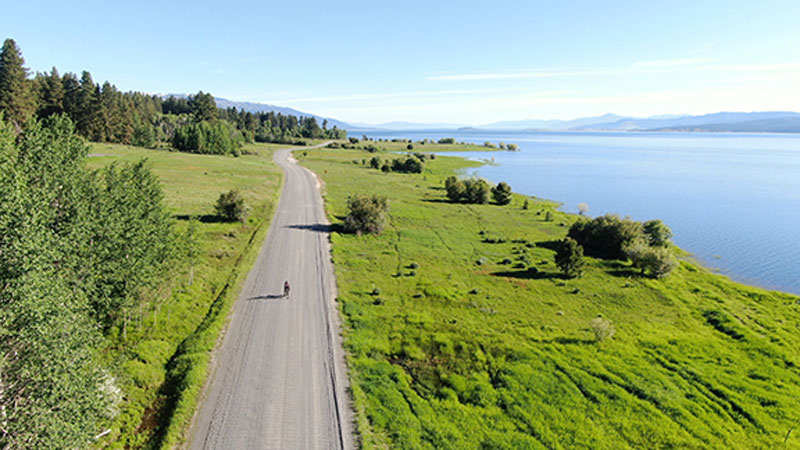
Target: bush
{"points": [[455, 189], [502, 193], [569, 258], [548, 217], [477, 191], [606, 236], [366, 214], [407, 165], [447, 141], [230, 205], [375, 162], [601, 328], [512, 147], [658, 234], [526, 204], [410, 146]]}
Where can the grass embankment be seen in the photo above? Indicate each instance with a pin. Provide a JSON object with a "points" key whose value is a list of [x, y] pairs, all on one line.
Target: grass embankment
{"points": [[450, 347], [161, 364]]}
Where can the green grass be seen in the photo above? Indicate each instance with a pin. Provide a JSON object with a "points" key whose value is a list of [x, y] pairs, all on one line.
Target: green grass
{"points": [[161, 365], [466, 352]]}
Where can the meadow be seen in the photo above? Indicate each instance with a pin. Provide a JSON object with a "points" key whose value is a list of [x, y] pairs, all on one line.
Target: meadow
{"points": [[453, 341], [161, 362]]}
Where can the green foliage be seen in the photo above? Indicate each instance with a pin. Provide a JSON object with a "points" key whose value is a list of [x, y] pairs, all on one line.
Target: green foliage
{"points": [[502, 193], [447, 141], [203, 107], [569, 258], [104, 114], [78, 249], [375, 162], [407, 165], [657, 262], [602, 329], [471, 190], [606, 236], [215, 138], [231, 206], [657, 233], [16, 98], [366, 214]]}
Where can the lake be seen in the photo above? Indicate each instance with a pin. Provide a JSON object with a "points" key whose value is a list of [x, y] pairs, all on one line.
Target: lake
{"points": [[731, 199]]}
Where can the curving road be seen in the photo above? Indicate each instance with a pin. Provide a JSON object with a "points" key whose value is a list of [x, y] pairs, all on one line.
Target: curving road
{"points": [[279, 379]]}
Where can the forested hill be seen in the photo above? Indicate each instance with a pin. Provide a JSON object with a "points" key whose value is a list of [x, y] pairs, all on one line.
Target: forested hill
{"points": [[102, 113]]}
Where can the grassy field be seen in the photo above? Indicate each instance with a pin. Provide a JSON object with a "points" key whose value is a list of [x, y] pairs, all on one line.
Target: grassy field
{"points": [[450, 345], [161, 363]]}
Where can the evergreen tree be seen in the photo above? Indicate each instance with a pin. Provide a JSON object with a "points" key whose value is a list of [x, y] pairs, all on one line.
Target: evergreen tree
{"points": [[16, 97], [51, 94], [203, 107], [569, 258], [502, 193]]}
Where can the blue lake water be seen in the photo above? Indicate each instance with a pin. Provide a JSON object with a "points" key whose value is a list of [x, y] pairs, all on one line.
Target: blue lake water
{"points": [[733, 200]]}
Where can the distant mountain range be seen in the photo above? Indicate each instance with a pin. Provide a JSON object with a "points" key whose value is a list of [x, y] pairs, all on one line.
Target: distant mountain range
{"points": [[771, 122], [749, 122], [263, 107]]}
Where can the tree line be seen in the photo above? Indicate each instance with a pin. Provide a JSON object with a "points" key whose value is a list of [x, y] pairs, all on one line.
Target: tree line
{"points": [[102, 113]]}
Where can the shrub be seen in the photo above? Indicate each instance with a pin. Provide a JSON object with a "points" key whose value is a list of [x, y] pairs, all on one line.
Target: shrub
{"points": [[583, 208], [526, 204], [375, 162], [548, 217], [488, 144], [606, 236], [366, 214], [502, 193], [354, 140], [569, 258], [455, 189], [477, 191], [447, 141], [230, 205], [410, 146], [407, 165], [601, 328], [657, 262], [385, 168], [512, 147], [658, 234]]}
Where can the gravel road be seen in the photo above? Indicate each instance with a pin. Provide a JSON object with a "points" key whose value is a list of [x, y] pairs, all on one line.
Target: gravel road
{"points": [[279, 379]]}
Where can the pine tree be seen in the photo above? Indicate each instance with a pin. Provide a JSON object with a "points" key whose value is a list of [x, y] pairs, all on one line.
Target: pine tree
{"points": [[51, 94], [16, 97]]}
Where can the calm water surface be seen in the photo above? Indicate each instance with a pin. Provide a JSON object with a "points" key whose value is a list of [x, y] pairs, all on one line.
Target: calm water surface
{"points": [[733, 200]]}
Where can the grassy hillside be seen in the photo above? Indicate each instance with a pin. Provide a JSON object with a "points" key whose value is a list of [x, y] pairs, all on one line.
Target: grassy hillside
{"points": [[161, 364], [450, 345]]}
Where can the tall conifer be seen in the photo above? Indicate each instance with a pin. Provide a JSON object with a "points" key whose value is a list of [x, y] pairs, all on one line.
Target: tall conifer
{"points": [[16, 97]]}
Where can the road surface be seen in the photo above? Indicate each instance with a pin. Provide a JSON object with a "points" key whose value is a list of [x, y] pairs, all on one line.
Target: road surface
{"points": [[279, 379]]}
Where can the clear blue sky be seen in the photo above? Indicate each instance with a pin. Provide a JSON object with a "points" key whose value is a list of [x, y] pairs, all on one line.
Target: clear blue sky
{"points": [[468, 62]]}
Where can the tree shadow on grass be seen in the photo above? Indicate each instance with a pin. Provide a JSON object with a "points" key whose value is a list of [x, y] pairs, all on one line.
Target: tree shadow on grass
{"points": [[437, 200], [621, 270], [204, 218], [550, 245], [436, 188], [526, 275]]}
